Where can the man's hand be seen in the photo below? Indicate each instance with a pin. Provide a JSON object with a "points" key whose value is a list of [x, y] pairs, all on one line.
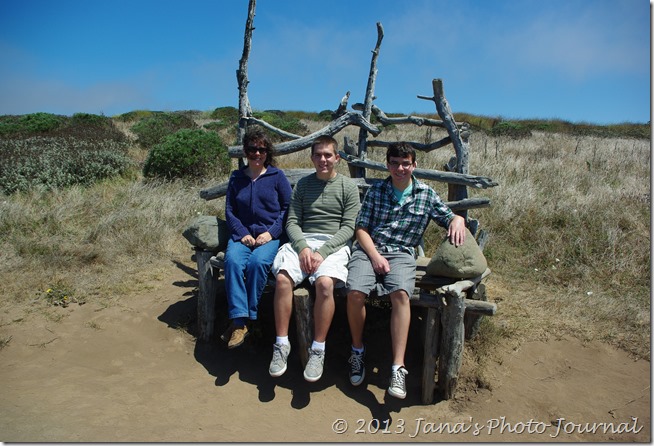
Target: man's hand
{"points": [[306, 260], [309, 261], [456, 231], [316, 260], [380, 264]]}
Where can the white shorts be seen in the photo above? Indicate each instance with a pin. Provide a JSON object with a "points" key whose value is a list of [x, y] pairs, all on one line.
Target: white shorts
{"points": [[335, 265]]}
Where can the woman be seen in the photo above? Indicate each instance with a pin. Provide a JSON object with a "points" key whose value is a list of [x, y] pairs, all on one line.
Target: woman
{"points": [[257, 200]]}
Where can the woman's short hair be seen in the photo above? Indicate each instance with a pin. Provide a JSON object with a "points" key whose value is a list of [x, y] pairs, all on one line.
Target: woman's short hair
{"points": [[256, 134]]}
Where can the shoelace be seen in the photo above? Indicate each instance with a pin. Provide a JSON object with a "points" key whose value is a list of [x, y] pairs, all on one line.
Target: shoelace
{"points": [[277, 352], [356, 360], [398, 379]]}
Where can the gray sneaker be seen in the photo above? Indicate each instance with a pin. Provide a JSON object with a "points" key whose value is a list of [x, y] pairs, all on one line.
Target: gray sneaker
{"points": [[357, 367], [279, 359], [313, 370], [398, 383]]}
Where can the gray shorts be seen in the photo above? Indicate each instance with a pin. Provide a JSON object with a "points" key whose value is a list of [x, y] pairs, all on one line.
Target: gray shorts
{"points": [[361, 277]]}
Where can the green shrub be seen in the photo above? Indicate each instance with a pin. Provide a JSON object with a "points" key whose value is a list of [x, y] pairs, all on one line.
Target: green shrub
{"points": [[55, 162], [227, 115], [135, 115], [32, 124], [282, 121], [187, 153], [510, 129], [81, 125], [214, 126], [325, 115], [151, 131]]}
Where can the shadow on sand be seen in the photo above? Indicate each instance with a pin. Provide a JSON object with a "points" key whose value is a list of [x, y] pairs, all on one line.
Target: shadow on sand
{"points": [[249, 362]]}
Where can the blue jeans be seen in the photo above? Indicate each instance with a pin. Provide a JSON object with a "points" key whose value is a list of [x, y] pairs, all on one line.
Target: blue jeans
{"points": [[246, 274]]}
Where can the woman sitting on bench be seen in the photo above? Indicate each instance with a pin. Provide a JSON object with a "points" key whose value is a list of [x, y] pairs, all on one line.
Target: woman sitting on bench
{"points": [[257, 201]]}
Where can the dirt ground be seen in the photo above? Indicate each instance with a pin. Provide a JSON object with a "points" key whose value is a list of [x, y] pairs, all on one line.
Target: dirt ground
{"points": [[133, 372]]}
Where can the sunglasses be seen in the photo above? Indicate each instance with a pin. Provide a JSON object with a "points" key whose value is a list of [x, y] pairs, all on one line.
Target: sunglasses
{"points": [[253, 149]]}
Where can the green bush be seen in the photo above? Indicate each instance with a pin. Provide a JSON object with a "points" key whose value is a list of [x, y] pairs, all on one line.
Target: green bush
{"points": [[325, 115], [81, 125], [282, 121], [227, 115], [55, 162], [187, 153], [511, 130], [135, 115], [28, 125], [151, 131]]}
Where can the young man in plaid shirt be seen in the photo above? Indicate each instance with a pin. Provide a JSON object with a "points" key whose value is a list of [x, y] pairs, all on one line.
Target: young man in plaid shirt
{"points": [[393, 217]]}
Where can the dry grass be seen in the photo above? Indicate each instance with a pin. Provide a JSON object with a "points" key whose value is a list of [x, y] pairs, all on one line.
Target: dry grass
{"points": [[569, 224]]}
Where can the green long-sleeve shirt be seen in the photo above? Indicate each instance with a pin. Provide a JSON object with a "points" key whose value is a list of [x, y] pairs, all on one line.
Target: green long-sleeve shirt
{"points": [[323, 207]]}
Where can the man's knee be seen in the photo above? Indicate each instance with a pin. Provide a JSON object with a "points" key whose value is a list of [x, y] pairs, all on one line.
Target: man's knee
{"points": [[356, 298], [399, 297], [324, 286], [283, 281]]}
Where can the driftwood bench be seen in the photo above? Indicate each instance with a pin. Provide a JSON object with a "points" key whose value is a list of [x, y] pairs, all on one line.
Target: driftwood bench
{"points": [[451, 313]]}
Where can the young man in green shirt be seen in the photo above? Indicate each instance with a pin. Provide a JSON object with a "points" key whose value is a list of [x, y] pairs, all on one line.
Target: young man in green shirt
{"points": [[320, 226]]}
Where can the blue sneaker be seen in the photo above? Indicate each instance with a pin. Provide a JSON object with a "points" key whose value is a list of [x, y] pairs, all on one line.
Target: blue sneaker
{"points": [[357, 367]]}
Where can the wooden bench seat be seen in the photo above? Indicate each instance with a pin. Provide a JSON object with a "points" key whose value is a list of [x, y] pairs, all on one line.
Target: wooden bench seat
{"points": [[451, 310]]}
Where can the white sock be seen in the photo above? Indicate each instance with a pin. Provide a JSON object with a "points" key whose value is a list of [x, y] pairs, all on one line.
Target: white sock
{"points": [[282, 340], [320, 346], [357, 350], [395, 367]]}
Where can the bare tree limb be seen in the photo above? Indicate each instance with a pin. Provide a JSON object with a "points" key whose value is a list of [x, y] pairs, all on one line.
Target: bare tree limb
{"points": [[416, 145], [428, 174], [244, 108], [370, 92], [416, 120], [335, 126], [262, 123], [342, 107]]}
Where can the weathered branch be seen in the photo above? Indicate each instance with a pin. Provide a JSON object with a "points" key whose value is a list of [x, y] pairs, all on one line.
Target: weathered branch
{"points": [[417, 120], [272, 128], [370, 95], [244, 108], [349, 118], [435, 175], [416, 145], [443, 109], [342, 107]]}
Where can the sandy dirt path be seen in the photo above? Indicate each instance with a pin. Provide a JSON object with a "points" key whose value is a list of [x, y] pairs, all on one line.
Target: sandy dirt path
{"points": [[129, 373]]}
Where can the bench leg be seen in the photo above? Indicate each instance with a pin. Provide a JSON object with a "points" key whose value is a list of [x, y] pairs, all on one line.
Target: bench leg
{"points": [[430, 354], [473, 321], [451, 353], [303, 301], [207, 289]]}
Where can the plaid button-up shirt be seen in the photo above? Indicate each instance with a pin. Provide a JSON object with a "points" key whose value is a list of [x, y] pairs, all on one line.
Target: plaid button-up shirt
{"points": [[398, 227]]}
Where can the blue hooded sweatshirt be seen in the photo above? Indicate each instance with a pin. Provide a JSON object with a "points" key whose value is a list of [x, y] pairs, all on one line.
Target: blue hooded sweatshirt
{"points": [[254, 207]]}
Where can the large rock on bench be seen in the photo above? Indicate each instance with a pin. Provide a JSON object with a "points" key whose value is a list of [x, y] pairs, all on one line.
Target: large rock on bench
{"points": [[463, 262], [207, 232]]}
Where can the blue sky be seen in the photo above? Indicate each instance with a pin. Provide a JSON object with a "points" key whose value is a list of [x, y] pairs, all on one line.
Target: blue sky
{"points": [[577, 60]]}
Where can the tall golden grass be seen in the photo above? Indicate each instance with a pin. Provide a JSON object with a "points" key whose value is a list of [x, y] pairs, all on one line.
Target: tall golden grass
{"points": [[569, 225]]}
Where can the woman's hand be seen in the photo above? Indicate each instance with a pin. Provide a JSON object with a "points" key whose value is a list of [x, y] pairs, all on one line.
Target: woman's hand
{"points": [[263, 239], [248, 240]]}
